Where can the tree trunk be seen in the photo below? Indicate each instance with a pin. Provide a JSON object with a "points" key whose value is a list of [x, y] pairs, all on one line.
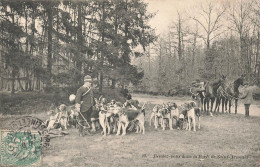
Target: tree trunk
{"points": [[194, 51], [243, 54], [13, 81], [113, 84], [257, 51], [20, 84], [49, 58], [102, 52], [80, 45]]}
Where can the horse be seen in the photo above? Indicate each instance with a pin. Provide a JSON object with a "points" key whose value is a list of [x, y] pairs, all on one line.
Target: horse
{"points": [[220, 98], [229, 91], [211, 92]]}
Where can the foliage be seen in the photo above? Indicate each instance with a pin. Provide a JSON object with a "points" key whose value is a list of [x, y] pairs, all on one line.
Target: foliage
{"points": [[59, 42]]}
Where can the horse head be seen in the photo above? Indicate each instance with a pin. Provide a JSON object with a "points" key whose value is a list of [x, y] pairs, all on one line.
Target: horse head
{"points": [[238, 82], [219, 83], [221, 80]]}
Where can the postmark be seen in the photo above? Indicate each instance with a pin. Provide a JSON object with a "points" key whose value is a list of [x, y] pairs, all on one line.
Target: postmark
{"points": [[24, 143]]}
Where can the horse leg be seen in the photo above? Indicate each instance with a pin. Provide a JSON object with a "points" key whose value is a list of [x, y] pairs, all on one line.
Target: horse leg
{"points": [[208, 111], [206, 106], [236, 106], [226, 102], [205, 103], [223, 103], [212, 100], [229, 105], [219, 101], [217, 104], [202, 104]]}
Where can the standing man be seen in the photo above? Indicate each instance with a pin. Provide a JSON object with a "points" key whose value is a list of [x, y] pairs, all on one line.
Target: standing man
{"points": [[246, 94], [85, 102]]}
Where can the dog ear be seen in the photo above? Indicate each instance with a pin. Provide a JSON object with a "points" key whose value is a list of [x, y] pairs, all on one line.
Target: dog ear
{"points": [[192, 104], [175, 105]]}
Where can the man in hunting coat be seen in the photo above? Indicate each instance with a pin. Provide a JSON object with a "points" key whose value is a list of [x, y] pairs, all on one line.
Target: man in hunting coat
{"points": [[246, 95], [85, 102]]}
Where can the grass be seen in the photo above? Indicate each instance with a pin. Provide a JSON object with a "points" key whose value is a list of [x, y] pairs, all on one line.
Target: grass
{"points": [[222, 136], [24, 103]]}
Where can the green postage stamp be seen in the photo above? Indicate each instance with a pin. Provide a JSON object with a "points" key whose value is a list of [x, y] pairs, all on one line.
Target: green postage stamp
{"points": [[20, 148], [23, 144]]}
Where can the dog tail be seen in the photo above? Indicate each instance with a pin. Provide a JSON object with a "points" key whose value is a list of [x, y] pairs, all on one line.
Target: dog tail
{"points": [[143, 111]]}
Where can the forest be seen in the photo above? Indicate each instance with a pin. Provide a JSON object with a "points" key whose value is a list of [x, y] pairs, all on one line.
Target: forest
{"points": [[203, 42], [56, 43], [53, 43]]}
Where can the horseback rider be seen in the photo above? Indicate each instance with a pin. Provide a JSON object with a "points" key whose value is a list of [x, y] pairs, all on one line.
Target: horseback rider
{"points": [[85, 102]]}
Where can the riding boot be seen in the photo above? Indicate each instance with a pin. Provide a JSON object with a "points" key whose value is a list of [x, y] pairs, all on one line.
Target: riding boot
{"points": [[247, 109]]}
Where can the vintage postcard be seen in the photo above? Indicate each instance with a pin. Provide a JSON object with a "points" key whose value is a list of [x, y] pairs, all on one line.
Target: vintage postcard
{"points": [[129, 83]]}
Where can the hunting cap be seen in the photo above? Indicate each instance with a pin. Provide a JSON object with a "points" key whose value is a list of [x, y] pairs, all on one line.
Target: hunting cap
{"points": [[88, 78]]}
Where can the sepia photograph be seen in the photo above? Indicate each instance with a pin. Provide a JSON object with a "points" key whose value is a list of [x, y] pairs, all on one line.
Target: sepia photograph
{"points": [[127, 83]]}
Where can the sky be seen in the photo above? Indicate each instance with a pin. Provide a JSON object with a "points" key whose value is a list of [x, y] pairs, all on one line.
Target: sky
{"points": [[167, 11]]}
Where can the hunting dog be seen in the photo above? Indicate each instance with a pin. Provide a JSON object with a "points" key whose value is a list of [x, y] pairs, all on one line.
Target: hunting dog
{"points": [[165, 114], [129, 115], [58, 118], [175, 114], [63, 116], [161, 113], [156, 115], [51, 123], [72, 116], [190, 111], [107, 117]]}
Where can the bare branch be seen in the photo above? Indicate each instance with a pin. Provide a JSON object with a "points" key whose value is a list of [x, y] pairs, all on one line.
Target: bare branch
{"points": [[199, 23], [217, 20], [218, 34]]}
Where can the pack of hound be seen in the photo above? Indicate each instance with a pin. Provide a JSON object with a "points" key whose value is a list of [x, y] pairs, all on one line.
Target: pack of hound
{"points": [[114, 117], [118, 118], [165, 114]]}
